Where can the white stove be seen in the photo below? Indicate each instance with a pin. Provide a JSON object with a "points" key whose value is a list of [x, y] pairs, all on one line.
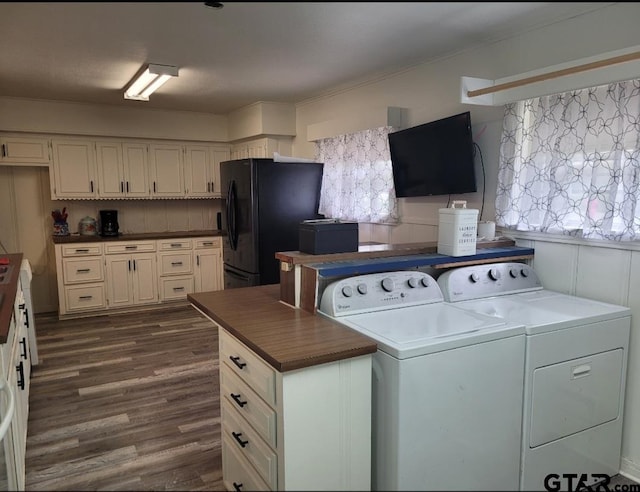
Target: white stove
{"points": [[575, 369], [447, 384]]}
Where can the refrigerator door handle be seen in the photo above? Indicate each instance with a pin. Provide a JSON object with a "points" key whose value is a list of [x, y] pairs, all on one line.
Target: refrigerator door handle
{"points": [[232, 216]]}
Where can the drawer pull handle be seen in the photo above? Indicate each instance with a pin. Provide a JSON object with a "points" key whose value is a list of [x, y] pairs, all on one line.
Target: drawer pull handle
{"points": [[237, 487], [130, 247], [236, 398], [84, 298], [236, 361], [177, 289], [237, 435], [176, 263], [23, 353], [208, 243], [83, 270], [82, 250], [176, 245]]}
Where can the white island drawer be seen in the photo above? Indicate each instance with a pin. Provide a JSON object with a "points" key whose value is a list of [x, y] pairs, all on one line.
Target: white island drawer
{"points": [[249, 444], [249, 405], [248, 366], [238, 473]]}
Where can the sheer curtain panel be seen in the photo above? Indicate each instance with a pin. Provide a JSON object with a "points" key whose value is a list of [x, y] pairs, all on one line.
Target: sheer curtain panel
{"points": [[357, 183], [569, 163]]}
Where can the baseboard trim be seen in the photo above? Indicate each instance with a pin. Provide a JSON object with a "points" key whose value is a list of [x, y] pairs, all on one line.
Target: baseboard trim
{"points": [[630, 470]]}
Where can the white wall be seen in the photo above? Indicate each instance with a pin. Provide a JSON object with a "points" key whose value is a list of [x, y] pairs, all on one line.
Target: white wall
{"points": [[432, 90]]}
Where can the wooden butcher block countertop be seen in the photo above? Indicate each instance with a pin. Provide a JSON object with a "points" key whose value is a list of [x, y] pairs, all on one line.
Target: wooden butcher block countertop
{"points": [[285, 337]]}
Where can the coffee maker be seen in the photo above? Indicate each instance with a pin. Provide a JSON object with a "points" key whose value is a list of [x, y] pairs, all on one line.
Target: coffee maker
{"points": [[109, 222]]}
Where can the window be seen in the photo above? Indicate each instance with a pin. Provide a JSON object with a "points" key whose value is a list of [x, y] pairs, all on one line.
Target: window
{"points": [[569, 163], [357, 183]]}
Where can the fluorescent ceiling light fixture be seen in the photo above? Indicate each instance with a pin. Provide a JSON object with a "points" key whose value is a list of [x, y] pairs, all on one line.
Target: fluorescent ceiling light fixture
{"points": [[151, 78]]}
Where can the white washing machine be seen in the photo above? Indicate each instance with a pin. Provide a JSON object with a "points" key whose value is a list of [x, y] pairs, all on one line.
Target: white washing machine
{"points": [[575, 370], [447, 384]]}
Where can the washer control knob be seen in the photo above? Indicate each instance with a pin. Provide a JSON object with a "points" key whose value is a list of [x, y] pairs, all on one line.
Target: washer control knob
{"points": [[425, 282], [524, 272], [474, 277], [362, 288], [387, 284], [513, 273], [412, 282], [494, 274], [347, 291]]}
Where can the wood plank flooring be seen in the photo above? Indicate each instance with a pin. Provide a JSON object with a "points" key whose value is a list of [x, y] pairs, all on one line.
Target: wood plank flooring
{"points": [[125, 402]]}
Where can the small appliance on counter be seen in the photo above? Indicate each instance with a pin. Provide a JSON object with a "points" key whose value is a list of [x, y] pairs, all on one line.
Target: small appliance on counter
{"points": [[109, 223], [326, 236], [87, 227]]}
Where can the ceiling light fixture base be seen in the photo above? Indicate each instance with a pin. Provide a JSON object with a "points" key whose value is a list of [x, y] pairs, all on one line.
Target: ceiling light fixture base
{"points": [[152, 77]]}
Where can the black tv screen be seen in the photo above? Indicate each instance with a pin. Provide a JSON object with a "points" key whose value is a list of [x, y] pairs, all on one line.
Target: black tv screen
{"points": [[435, 158]]}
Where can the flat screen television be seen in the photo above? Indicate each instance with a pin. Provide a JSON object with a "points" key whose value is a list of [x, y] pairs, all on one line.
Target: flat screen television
{"points": [[435, 158]]}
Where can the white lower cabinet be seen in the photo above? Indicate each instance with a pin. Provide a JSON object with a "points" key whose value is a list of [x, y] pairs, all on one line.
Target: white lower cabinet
{"points": [[131, 279], [98, 276], [306, 429], [15, 369]]}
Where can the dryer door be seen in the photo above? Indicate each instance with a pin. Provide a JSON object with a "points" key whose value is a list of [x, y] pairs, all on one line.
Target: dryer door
{"points": [[575, 395]]}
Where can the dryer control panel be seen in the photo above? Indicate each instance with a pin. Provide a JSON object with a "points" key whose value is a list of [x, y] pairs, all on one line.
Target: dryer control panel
{"points": [[487, 280], [379, 291]]}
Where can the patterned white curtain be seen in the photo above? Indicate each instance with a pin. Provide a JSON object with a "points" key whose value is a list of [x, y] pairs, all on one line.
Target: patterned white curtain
{"points": [[357, 182], [569, 163]]}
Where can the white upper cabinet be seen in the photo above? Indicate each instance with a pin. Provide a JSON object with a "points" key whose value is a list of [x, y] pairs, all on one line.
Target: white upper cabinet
{"points": [[122, 170], [74, 169], [166, 165], [202, 169], [24, 151]]}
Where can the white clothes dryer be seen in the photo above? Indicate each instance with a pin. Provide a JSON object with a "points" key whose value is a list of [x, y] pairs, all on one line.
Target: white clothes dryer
{"points": [[575, 370], [447, 384]]}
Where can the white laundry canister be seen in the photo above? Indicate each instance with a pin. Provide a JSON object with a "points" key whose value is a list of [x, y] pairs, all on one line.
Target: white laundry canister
{"points": [[457, 229]]}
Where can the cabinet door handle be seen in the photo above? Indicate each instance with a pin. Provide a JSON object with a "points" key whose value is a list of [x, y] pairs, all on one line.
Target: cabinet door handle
{"points": [[85, 298], [20, 369], [237, 487], [121, 187], [197, 260], [26, 318], [237, 437], [134, 265], [176, 263], [4, 150], [154, 186], [91, 186], [23, 352], [127, 186], [236, 361], [83, 270], [236, 398]]}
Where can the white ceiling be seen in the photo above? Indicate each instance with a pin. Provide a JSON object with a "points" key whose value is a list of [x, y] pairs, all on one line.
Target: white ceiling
{"points": [[244, 52]]}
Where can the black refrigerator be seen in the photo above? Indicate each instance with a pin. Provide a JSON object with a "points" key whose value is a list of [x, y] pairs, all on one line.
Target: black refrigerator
{"points": [[263, 204]]}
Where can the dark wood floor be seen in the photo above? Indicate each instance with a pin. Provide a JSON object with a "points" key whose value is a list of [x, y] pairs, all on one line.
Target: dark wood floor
{"points": [[125, 402], [128, 402]]}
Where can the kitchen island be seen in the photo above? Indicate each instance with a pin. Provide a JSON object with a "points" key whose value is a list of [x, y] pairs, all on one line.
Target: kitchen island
{"points": [[295, 394]]}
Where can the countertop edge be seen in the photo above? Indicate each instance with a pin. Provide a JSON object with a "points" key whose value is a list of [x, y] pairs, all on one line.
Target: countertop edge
{"points": [[366, 347], [76, 238]]}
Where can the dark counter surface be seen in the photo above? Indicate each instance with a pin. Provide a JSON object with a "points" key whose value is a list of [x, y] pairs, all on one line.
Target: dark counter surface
{"points": [[285, 337], [76, 238], [8, 289]]}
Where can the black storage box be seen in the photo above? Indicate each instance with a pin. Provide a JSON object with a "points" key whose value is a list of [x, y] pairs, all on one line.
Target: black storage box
{"points": [[325, 236]]}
